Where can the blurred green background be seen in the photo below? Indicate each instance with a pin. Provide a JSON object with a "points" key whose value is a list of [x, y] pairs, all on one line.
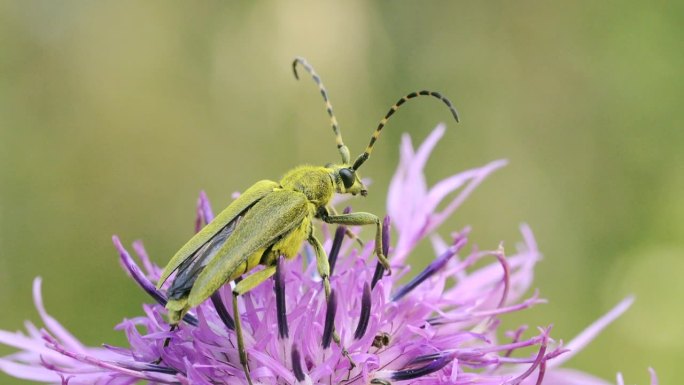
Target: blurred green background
{"points": [[113, 116]]}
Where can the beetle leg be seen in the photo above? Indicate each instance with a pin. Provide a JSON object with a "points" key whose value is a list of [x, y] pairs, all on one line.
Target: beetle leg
{"points": [[244, 286], [321, 264], [324, 272], [347, 231], [353, 236], [359, 219], [166, 344]]}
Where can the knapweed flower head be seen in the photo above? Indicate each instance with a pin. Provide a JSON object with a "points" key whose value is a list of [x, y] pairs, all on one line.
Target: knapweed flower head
{"points": [[441, 325]]}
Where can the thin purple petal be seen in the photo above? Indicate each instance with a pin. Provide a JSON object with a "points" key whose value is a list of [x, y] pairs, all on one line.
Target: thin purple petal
{"points": [[52, 324], [588, 334], [429, 271], [134, 271]]}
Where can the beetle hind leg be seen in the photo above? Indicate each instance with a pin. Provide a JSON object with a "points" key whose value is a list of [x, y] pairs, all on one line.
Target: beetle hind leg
{"points": [[244, 286], [167, 341], [177, 308]]}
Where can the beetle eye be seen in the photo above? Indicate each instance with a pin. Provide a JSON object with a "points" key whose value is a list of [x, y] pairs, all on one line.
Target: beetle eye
{"points": [[347, 176]]}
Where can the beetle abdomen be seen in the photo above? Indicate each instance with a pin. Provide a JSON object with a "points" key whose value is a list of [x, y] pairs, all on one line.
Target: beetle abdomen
{"points": [[290, 245]]}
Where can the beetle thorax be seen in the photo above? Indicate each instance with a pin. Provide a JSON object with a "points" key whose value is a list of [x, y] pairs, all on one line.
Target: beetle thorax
{"points": [[312, 181]]}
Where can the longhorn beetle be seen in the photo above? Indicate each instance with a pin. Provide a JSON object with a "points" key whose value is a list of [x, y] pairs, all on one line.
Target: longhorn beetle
{"points": [[273, 219]]}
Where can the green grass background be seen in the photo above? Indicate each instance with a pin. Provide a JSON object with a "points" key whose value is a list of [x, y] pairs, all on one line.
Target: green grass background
{"points": [[113, 115]]}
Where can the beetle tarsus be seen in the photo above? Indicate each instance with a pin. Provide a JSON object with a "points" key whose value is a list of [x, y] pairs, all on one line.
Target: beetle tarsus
{"points": [[345, 354], [384, 262]]}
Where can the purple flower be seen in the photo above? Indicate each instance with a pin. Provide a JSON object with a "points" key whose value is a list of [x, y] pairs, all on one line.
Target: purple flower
{"points": [[441, 327]]}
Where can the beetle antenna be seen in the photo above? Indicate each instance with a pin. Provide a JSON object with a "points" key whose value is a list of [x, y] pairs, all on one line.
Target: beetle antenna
{"points": [[344, 151], [366, 154]]}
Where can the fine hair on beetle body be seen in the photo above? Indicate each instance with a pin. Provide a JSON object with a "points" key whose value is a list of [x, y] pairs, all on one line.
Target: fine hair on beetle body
{"points": [[270, 221]]}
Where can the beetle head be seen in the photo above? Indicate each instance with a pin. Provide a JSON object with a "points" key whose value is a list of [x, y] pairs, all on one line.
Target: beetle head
{"points": [[346, 180]]}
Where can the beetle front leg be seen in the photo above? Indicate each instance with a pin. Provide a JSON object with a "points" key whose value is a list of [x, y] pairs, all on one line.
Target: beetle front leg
{"points": [[242, 287], [347, 231], [324, 272], [321, 264], [360, 219]]}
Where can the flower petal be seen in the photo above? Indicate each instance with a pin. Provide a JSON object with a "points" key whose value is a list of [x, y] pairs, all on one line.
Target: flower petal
{"points": [[52, 324], [588, 334]]}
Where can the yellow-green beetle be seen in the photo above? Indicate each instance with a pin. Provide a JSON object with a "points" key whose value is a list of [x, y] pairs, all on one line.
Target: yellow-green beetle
{"points": [[269, 220]]}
